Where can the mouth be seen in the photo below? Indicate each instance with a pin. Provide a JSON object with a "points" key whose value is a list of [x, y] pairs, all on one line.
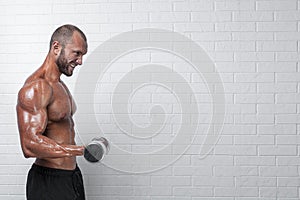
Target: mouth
{"points": [[73, 65], [71, 68]]}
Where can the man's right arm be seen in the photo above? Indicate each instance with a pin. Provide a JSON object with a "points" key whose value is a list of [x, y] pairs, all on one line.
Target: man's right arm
{"points": [[33, 100]]}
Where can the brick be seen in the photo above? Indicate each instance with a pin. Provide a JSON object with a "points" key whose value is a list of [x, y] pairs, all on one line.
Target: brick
{"points": [[112, 7], [151, 6], [235, 67], [287, 98], [255, 181], [223, 160], [192, 171], [252, 16], [109, 190], [254, 98], [276, 108], [250, 56], [221, 56], [255, 160], [288, 192], [193, 191], [235, 150], [287, 36], [211, 181], [288, 160], [87, 8], [276, 26], [235, 26], [213, 198], [237, 129], [241, 108], [152, 191], [254, 119], [240, 88], [276, 67], [235, 5], [225, 77], [169, 17], [240, 192], [277, 88], [287, 56], [193, 27], [166, 25], [127, 17], [276, 5], [288, 181], [287, 16], [268, 192], [115, 28], [288, 77], [235, 46], [211, 36], [29, 9], [171, 181], [279, 150], [276, 46], [255, 36], [218, 16], [287, 139], [12, 189], [287, 118], [253, 140], [278, 129], [254, 77], [235, 171], [193, 6], [281, 171]]}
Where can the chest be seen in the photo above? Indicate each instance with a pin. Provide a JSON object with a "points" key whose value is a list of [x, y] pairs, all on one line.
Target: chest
{"points": [[62, 105]]}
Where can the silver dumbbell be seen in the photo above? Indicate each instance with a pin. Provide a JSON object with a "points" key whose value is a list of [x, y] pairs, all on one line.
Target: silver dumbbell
{"points": [[96, 149]]}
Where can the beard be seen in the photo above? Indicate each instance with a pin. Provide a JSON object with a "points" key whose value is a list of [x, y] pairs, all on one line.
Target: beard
{"points": [[63, 65]]}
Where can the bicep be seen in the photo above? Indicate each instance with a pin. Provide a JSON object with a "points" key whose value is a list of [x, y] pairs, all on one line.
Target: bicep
{"points": [[31, 127], [31, 122], [32, 108]]}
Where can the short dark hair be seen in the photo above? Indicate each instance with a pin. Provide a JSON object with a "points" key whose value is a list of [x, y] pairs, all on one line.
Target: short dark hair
{"points": [[64, 33]]}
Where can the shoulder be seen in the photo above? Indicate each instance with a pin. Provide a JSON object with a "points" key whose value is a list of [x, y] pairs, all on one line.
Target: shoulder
{"points": [[35, 95]]}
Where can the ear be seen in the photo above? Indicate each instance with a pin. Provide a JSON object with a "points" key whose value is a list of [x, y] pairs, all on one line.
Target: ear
{"points": [[56, 48]]}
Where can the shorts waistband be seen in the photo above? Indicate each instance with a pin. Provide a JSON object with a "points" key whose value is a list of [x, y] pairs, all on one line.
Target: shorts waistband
{"points": [[53, 171]]}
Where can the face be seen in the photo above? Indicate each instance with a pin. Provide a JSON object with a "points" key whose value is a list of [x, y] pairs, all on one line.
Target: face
{"points": [[71, 55]]}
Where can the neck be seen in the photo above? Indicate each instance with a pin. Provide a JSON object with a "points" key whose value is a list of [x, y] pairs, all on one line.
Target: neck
{"points": [[51, 71]]}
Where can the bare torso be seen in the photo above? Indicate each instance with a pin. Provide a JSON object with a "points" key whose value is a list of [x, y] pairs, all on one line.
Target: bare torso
{"points": [[45, 110], [60, 125]]}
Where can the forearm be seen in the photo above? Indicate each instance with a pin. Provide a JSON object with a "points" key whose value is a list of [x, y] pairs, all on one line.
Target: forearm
{"points": [[44, 147]]}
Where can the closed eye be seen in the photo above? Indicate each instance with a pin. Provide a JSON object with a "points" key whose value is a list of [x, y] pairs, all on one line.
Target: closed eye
{"points": [[77, 53]]}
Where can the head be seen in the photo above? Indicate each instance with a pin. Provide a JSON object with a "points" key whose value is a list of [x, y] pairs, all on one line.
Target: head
{"points": [[68, 44]]}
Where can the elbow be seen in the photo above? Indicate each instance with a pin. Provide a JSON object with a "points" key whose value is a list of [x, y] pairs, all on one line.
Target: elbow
{"points": [[27, 153]]}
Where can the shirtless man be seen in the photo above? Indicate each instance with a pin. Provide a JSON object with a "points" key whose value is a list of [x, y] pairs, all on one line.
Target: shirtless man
{"points": [[45, 108]]}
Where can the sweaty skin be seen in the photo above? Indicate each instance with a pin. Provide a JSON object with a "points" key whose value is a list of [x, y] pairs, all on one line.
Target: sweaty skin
{"points": [[45, 109]]}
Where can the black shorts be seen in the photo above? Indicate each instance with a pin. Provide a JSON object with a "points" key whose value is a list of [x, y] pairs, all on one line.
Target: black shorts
{"points": [[45, 183]]}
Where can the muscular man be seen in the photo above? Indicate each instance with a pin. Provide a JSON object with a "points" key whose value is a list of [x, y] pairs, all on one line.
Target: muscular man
{"points": [[45, 108]]}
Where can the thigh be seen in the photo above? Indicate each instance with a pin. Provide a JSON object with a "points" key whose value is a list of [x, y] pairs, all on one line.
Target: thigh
{"points": [[35, 186], [78, 184], [49, 187]]}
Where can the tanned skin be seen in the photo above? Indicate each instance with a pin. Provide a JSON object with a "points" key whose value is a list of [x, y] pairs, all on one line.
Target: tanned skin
{"points": [[45, 108]]}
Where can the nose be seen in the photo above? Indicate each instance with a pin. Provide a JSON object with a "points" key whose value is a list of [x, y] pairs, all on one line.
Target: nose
{"points": [[79, 60]]}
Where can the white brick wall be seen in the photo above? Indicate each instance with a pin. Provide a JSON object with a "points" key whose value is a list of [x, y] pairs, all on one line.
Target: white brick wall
{"points": [[255, 47]]}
